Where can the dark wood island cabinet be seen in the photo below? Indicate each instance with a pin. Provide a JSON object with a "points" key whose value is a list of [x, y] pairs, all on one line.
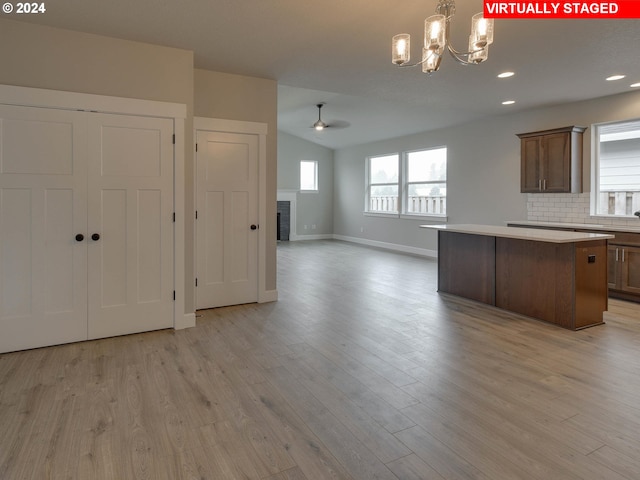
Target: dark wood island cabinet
{"points": [[555, 276], [623, 251]]}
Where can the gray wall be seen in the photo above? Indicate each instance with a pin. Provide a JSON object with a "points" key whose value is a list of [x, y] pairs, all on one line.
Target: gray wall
{"points": [[312, 208], [483, 170]]}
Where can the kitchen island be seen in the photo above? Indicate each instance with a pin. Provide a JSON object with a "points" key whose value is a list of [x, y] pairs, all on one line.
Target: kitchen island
{"points": [[555, 276]]}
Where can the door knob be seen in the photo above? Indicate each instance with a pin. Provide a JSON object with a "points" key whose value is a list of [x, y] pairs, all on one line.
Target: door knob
{"points": [[95, 237], [253, 227], [79, 237]]}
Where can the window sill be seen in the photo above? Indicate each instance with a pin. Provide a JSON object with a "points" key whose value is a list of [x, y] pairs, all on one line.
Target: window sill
{"points": [[422, 216], [612, 217], [308, 191], [381, 214], [408, 216]]}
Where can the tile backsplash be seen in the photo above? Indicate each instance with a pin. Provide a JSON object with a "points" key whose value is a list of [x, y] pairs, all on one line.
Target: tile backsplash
{"points": [[568, 208]]}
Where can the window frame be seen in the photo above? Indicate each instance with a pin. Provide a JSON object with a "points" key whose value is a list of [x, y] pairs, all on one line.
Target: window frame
{"points": [[406, 183], [315, 177], [369, 184], [402, 186], [595, 169]]}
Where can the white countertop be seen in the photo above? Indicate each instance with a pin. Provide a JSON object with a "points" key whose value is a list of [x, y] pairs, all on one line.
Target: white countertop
{"points": [[535, 234], [586, 226]]}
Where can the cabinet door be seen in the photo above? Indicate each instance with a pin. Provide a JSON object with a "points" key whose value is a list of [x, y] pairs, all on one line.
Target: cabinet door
{"points": [[613, 253], [630, 270], [556, 165], [530, 177]]}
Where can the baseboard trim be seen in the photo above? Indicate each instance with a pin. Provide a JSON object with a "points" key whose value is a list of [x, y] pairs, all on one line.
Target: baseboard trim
{"points": [[268, 296], [322, 236], [188, 320], [422, 252]]}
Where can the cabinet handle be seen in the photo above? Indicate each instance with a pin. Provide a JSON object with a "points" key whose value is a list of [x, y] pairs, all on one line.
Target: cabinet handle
{"points": [[544, 184], [79, 237], [540, 184], [616, 254], [95, 237], [623, 255]]}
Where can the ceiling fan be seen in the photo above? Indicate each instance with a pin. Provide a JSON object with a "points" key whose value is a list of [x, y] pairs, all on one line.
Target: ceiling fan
{"points": [[319, 125]]}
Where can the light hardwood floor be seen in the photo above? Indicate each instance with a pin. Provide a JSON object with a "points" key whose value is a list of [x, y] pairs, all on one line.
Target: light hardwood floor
{"points": [[360, 371]]}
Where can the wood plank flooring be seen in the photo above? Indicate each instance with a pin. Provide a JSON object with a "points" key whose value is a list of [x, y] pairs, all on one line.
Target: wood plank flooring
{"points": [[360, 371]]}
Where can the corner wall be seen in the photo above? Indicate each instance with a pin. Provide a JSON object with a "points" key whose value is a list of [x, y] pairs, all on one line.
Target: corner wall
{"points": [[312, 208], [51, 58], [38, 56], [249, 99]]}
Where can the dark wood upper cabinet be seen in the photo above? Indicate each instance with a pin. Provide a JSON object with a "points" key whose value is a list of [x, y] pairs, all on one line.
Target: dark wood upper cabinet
{"points": [[551, 161]]}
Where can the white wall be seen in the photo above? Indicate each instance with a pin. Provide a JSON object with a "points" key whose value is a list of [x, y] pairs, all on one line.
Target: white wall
{"points": [[311, 208], [483, 169]]}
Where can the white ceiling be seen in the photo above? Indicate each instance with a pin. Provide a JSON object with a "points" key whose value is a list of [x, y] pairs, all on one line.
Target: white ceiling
{"points": [[338, 52]]}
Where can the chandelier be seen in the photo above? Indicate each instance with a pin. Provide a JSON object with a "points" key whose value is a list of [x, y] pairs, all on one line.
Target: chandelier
{"points": [[436, 40]]}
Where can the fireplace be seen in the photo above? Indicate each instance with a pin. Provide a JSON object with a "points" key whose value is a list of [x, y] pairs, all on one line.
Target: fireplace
{"points": [[284, 220]]}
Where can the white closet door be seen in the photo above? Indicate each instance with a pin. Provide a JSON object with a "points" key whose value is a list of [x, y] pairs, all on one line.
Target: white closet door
{"points": [[130, 198], [43, 268], [227, 236]]}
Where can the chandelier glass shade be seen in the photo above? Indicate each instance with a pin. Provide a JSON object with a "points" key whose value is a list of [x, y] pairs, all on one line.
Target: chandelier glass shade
{"points": [[436, 40]]}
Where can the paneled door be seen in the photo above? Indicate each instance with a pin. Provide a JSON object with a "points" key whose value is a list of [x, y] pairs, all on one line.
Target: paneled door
{"points": [[86, 226], [130, 227], [43, 222], [227, 228]]}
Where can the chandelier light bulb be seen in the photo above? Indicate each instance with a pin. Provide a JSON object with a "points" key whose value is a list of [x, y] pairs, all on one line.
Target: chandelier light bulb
{"points": [[434, 32], [481, 30], [401, 49]]}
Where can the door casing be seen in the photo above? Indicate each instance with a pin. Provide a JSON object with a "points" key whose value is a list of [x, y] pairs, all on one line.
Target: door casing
{"points": [[259, 129]]}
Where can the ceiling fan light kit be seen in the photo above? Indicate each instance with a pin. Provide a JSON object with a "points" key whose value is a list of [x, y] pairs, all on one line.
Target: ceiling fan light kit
{"points": [[437, 39], [319, 125]]}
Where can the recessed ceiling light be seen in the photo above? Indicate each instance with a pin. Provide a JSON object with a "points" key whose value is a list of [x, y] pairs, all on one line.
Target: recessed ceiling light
{"points": [[506, 74], [635, 85], [508, 102], [615, 77]]}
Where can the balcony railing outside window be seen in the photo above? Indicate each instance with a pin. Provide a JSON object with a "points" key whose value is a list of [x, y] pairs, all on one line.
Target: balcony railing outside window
{"points": [[618, 203], [426, 205]]}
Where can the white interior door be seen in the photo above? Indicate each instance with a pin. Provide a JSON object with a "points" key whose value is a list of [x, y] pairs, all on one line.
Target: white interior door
{"points": [[227, 235], [43, 268], [130, 228]]}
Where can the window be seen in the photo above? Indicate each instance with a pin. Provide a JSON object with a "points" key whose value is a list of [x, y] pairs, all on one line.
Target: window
{"points": [[382, 181], [616, 189], [421, 177], [309, 175], [426, 186]]}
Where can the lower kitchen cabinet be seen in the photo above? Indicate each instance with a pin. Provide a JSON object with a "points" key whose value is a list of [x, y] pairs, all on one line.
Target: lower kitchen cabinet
{"points": [[624, 271]]}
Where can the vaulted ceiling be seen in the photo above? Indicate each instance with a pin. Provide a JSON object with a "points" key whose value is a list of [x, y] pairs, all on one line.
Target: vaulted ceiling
{"points": [[339, 52]]}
